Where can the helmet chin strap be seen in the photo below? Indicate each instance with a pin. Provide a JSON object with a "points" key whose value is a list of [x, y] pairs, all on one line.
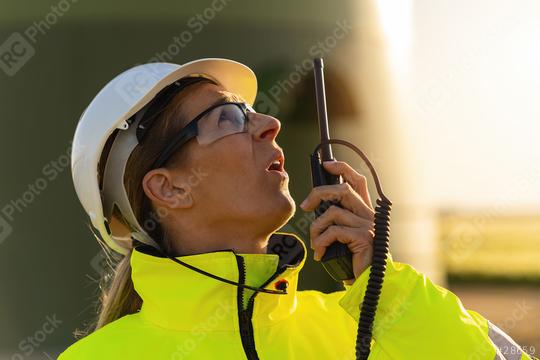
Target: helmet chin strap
{"points": [[114, 192]]}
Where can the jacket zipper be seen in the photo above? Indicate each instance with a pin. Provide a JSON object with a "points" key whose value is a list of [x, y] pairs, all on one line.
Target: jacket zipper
{"points": [[244, 315]]}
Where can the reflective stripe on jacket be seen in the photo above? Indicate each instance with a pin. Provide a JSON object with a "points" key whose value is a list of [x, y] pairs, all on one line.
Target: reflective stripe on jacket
{"points": [[186, 315]]}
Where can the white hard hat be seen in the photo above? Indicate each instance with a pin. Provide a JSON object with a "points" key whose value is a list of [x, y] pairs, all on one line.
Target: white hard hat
{"points": [[114, 108]]}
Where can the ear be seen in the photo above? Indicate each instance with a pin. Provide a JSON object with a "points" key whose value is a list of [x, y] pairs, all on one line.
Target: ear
{"points": [[164, 189]]}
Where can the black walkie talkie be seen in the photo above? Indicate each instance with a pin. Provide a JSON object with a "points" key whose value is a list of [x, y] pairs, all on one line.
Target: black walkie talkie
{"points": [[337, 260]]}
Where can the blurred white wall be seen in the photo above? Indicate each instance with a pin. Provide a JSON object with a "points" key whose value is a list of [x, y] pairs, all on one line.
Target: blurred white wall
{"points": [[377, 64], [450, 111], [474, 102]]}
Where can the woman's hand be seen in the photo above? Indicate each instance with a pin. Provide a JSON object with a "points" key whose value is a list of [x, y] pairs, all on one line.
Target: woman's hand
{"points": [[352, 225]]}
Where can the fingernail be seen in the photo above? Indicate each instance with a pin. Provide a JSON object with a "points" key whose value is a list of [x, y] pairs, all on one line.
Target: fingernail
{"points": [[303, 203], [316, 256]]}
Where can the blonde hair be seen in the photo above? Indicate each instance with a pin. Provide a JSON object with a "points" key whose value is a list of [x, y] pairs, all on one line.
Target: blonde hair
{"points": [[118, 296]]}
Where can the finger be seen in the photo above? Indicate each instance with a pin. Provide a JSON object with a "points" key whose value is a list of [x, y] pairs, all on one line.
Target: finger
{"points": [[343, 193], [357, 181], [335, 215], [358, 240]]}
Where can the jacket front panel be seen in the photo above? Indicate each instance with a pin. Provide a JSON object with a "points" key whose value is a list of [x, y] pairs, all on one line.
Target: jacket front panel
{"points": [[186, 315]]}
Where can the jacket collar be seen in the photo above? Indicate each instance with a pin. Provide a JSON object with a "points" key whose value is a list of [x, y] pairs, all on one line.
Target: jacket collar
{"points": [[175, 297]]}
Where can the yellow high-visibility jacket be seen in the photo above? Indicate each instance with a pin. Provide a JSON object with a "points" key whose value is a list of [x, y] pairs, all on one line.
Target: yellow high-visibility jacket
{"points": [[187, 315]]}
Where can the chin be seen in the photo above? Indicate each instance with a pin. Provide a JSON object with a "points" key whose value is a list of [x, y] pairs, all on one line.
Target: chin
{"points": [[284, 209]]}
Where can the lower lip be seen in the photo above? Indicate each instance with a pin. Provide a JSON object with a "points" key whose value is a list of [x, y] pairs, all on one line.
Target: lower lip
{"points": [[283, 173]]}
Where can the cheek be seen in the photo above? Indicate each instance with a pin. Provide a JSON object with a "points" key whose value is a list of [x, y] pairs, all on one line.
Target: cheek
{"points": [[228, 168]]}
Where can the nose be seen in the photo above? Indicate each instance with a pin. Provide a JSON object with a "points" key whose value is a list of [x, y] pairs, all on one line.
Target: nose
{"points": [[266, 127]]}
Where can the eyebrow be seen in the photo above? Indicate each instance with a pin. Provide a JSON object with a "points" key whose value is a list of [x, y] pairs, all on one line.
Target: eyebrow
{"points": [[227, 98], [223, 98]]}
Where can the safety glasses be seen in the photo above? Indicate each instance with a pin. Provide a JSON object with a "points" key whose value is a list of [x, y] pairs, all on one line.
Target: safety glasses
{"points": [[212, 124]]}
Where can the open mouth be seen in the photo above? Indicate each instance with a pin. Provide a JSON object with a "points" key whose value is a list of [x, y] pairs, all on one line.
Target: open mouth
{"points": [[277, 162]]}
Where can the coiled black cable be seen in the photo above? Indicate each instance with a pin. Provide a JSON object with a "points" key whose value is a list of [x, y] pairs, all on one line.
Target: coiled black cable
{"points": [[380, 255], [376, 278]]}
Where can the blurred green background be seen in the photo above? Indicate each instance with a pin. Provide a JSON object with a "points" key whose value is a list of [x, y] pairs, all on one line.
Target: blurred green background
{"points": [[49, 260]]}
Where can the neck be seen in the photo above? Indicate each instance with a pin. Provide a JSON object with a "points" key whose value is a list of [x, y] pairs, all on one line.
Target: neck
{"points": [[191, 238]]}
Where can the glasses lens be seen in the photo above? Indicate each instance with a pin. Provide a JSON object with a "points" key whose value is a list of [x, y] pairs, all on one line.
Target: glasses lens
{"points": [[224, 120]]}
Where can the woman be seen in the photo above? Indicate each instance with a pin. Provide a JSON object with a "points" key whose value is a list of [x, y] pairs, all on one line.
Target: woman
{"points": [[180, 175]]}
